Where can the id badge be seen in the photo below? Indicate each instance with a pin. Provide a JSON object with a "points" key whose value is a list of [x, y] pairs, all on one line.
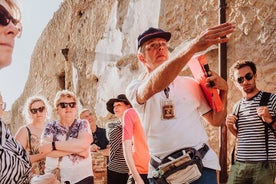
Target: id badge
{"points": [[167, 107]]}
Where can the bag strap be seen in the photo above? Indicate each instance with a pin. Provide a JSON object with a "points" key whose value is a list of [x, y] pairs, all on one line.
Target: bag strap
{"points": [[1, 133], [29, 138], [263, 102], [236, 113]]}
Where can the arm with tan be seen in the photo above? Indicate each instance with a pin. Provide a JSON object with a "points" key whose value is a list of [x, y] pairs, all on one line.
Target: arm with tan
{"points": [[160, 77]]}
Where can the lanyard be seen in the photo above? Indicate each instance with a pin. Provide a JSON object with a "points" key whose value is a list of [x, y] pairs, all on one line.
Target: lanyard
{"points": [[167, 91]]}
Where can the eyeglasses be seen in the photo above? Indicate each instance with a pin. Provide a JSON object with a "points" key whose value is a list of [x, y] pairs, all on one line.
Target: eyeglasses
{"points": [[65, 105], [3, 105], [39, 109], [156, 45], [248, 77], [6, 18]]}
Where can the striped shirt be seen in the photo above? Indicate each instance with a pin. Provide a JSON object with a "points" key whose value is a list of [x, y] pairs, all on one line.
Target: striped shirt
{"points": [[117, 161], [251, 130], [15, 164]]}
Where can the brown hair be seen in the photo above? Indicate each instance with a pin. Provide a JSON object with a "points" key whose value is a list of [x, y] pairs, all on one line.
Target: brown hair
{"points": [[240, 64]]}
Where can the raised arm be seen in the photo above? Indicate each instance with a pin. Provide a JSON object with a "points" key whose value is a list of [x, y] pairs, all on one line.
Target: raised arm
{"points": [[163, 75]]}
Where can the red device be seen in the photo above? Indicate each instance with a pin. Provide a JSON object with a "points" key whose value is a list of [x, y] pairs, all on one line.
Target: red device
{"points": [[200, 70]]}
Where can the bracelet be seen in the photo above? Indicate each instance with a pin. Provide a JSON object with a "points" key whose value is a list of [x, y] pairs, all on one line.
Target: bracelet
{"points": [[54, 145]]}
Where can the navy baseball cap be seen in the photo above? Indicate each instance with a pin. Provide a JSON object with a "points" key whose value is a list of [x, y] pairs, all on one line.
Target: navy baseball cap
{"points": [[151, 33]]}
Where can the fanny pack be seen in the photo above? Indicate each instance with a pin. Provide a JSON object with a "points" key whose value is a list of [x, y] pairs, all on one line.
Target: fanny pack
{"points": [[182, 166]]}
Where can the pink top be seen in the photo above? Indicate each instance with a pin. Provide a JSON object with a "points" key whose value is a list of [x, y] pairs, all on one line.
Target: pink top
{"points": [[133, 130]]}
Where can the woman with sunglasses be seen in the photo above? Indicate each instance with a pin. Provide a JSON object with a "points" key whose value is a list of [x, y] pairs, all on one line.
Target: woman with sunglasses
{"points": [[10, 27], [66, 142], [15, 163], [36, 112]]}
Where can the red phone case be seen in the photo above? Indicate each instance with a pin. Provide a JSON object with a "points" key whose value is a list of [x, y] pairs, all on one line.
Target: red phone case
{"points": [[212, 96]]}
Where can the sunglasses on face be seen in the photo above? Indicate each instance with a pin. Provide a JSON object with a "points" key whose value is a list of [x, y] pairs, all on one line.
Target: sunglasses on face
{"points": [[156, 45], [65, 105], [248, 77], [39, 109], [3, 105], [6, 18]]}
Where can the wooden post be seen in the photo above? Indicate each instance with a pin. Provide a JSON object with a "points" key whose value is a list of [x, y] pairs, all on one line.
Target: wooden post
{"points": [[223, 73]]}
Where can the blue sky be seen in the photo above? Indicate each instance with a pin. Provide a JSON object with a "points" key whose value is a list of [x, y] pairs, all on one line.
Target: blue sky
{"points": [[35, 16]]}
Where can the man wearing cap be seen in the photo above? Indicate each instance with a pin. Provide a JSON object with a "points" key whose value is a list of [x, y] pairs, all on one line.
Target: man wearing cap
{"points": [[117, 169], [171, 106]]}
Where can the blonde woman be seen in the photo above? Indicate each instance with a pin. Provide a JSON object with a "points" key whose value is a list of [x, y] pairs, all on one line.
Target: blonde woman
{"points": [[36, 112], [66, 142]]}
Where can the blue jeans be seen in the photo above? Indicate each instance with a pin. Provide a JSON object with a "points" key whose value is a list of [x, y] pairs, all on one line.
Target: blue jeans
{"points": [[209, 176]]}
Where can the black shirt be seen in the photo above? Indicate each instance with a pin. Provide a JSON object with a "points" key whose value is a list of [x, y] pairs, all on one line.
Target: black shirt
{"points": [[99, 138]]}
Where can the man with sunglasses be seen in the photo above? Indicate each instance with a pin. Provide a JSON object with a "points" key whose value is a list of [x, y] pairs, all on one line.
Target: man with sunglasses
{"points": [[171, 106], [256, 154], [15, 164]]}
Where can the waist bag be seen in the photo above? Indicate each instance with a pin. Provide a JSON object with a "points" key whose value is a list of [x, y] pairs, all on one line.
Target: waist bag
{"points": [[182, 166]]}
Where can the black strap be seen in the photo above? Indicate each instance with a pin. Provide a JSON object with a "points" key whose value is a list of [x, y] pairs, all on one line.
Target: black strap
{"points": [[29, 138], [1, 132], [236, 113], [263, 102]]}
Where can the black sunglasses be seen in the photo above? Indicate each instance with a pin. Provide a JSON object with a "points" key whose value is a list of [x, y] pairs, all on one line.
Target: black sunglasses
{"points": [[65, 105], [248, 77], [6, 18], [39, 109]]}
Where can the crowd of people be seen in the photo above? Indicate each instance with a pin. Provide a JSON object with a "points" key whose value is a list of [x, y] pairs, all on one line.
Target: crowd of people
{"points": [[158, 122]]}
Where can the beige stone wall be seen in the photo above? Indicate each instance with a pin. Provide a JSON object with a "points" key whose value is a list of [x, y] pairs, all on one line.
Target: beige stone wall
{"points": [[101, 40]]}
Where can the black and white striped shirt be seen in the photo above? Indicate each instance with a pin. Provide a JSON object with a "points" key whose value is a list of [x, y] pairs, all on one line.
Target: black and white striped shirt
{"points": [[251, 131], [15, 165], [117, 161]]}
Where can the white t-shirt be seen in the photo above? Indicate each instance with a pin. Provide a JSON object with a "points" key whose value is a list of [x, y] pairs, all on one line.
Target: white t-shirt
{"points": [[185, 130]]}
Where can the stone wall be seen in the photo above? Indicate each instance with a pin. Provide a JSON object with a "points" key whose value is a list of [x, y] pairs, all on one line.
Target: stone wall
{"points": [[90, 47]]}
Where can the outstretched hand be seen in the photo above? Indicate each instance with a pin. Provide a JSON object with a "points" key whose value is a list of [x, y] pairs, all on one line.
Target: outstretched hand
{"points": [[213, 35]]}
